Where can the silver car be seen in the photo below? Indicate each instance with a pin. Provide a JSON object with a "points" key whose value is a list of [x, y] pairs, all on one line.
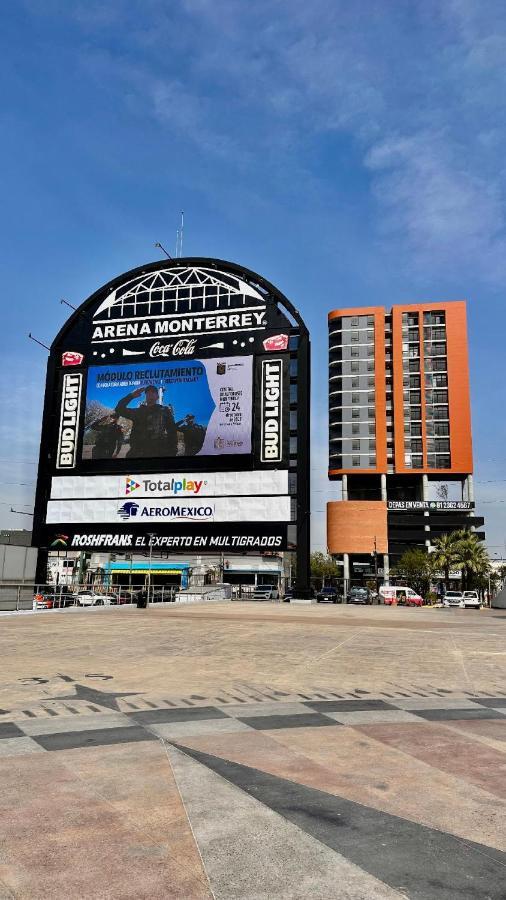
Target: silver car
{"points": [[454, 598]]}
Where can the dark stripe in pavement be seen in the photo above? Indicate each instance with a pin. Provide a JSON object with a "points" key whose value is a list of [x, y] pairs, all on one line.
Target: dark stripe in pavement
{"points": [[10, 730], [446, 715], [298, 720], [98, 737], [420, 862], [494, 701], [348, 705], [155, 716]]}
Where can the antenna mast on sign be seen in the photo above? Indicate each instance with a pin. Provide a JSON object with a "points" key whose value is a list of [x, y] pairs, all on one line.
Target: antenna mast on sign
{"points": [[179, 238]]}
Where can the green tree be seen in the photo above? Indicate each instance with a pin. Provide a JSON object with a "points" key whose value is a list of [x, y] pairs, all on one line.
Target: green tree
{"points": [[473, 559], [446, 554], [415, 566], [323, 567]]}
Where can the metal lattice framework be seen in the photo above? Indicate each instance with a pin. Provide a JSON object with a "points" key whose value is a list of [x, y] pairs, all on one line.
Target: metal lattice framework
{"points": [[178, 290]]}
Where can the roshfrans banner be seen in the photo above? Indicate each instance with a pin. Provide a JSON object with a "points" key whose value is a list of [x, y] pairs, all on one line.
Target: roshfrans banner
{"points": [[442, 505], [187, 509], [261, 482], [124, 537]]}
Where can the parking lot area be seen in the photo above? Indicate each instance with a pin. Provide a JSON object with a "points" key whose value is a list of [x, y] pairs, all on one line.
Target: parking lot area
{"points": [[253, 750]]}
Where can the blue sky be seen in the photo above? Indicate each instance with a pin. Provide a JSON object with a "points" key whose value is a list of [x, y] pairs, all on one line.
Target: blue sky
{"points": [[350, 153]]}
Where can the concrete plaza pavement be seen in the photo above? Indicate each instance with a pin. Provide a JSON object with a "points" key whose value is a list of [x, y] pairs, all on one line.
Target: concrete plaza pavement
{"points": [[242, 750]]}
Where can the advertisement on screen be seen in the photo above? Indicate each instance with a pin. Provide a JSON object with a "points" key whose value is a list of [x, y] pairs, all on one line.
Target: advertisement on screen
{"points": [[201, 407]]}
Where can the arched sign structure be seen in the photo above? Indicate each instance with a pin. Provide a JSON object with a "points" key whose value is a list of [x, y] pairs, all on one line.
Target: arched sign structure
{"points": [[176, 416]]}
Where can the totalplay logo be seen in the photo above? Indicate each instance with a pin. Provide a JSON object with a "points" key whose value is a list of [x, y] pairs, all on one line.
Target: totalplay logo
{"points": [[131, 485], [170, 486]]}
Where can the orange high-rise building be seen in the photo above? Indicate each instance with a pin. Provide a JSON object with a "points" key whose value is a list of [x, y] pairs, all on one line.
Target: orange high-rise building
{"points": [[399, 420]]}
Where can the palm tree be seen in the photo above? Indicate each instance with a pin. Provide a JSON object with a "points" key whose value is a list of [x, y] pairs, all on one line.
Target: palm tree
{"points": [[472, 557], [446, 554]]}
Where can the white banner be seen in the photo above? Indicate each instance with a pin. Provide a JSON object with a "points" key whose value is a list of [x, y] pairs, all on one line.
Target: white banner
{"points": [[146, 511], [189, 484]]}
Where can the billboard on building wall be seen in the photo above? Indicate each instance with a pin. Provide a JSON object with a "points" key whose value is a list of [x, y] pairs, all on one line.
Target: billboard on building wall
{"points": [[167, 415]]}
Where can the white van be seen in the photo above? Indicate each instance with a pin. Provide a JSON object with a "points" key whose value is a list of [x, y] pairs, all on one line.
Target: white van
{"points": [[401, 595]]}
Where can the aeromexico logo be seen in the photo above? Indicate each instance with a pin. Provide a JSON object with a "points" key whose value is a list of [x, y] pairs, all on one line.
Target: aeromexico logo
{"points": [[69, 421], [132, 510]]}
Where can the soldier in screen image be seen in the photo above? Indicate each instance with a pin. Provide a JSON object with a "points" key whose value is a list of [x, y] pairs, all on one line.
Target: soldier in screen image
{"points": [[109, 437], [193, 434], [153, 427]]}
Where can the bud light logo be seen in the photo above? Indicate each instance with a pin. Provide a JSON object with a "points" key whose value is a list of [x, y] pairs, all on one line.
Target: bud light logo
{"points": [[128, 510]]}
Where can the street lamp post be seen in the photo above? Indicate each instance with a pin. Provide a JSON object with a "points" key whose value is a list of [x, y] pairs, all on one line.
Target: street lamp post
{"points": [[151, 535]]}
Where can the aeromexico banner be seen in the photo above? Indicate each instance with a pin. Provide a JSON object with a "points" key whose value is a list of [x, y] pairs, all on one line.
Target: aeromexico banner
{"points": [[260, 482], [169, 409], [189, 510]]}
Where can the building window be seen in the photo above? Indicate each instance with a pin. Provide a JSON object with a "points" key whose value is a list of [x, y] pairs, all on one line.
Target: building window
{"points": [[354, 353], [355, 460], [371, 413], [416, 412], [416, 429], [414, 381], [354, 367], [354, 322], [355, 428], [440, 381], [440, 397], [372, 461], [442, 446], [355, 445], [355, 398], [370, 382], [355, 338], [414, 365], [370, 321], [416, 446], [370, 365], [355, 414], [372, 429], [355, 382], [415, 397]]}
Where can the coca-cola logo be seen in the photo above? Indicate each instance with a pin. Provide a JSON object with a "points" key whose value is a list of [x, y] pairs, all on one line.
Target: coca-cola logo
{"points": [[184, 347]]}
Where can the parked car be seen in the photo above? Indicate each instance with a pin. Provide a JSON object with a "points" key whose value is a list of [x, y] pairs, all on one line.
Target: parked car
{"points": [[471, 600], [358, 595], [453, 598], [328, 595], [91, 598], [399, 595], [51, 599], [265, 592], [43, 601]]}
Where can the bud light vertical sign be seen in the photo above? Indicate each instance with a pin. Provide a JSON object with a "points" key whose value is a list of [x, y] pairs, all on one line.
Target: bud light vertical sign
{"points": [[69, 421], [272, 407]]}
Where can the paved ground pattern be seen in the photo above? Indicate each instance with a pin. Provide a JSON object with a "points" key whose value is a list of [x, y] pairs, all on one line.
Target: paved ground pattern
{"points": [[253, 751]]}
